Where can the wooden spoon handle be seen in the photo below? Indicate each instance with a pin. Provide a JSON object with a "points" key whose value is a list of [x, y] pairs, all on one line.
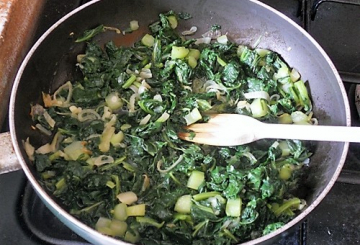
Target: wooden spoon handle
{"points": [[309, 132]]}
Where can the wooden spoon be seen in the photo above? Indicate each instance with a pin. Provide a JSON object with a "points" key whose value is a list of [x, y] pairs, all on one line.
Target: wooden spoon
{"points": [[234, 129]]}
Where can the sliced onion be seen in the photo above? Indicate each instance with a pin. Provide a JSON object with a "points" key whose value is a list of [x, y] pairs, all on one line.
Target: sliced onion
{"points": [[205, 40], [160, 162], [42, 129], [29, 149], [212, 86], [145, 120], [158, 97], [250, 156], [103, 159], [44, 149], [91, 136], [106, 113], [314, 121], [213, 34], [165, 116], [192, 30], [222, 39], [88, 115], [145, 73], [274, 97], [131, 105], [134, 89], [299, 117], [58, 100], [257, 95], [294, 75], [243, 104]]}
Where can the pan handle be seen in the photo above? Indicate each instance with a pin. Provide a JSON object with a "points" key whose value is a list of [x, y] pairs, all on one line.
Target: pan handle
{"points": [[8, 159]]}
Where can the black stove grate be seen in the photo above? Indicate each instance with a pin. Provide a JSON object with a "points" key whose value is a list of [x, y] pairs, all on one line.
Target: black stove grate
{"points": [[335, 221]]}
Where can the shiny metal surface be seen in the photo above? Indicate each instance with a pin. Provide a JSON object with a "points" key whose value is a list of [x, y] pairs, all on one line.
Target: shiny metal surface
{"points": [[246, 21]]}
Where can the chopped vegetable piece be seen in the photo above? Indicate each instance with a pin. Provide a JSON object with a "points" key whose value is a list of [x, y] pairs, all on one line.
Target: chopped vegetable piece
{"points": [[118, 227], [285, 172], [259, 108], [148, 40], [173, 21], [183, 204], [196, 179], [120, 212], [193, 116], [149, 221], [179, 52], [136, 210], [233, 207], [134, 25]]}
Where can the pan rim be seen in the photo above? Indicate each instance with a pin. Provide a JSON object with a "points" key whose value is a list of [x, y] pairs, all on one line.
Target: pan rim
{"points": [[66, 217]]}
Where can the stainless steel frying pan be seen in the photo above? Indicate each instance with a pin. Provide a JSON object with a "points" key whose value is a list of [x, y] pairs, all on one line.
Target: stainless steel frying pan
{"points": [[51, 62]]}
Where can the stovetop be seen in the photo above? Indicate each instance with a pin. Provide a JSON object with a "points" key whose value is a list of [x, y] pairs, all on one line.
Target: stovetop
{"points": [[24, 220]]}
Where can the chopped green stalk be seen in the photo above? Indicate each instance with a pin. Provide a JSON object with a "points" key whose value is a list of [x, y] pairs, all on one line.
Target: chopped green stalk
{"points": [[205, 195], [185, 217], [203, 105], [220, 61], [183, 204], [116, 139], [54, 156], [285, 149], [179, 52], [129, 82], [103, 226], [192, 61], [193, 116], [303, 94], [120, 212], [134, 25], [88, 34], [149, 221], [282, 72], [194, 53], [285, 118], [76, 150], [118, 227], [233, 207], [294, 75], [259, 108], [199, 226], [263, 52], [148, 40], [196, 179], [292, 203], [136, 210], [173, 21], [132, 237], [110, 184], [105, 139], [60, 184], [230, 235], [285, 172], [48, 174]]}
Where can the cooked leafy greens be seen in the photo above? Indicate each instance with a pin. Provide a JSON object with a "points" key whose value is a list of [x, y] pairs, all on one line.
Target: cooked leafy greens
{"points": [[117, 164]]}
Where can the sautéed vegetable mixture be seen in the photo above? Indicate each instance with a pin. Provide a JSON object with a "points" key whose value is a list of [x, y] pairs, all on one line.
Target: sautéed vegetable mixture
{"points": [[116, 163]]}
